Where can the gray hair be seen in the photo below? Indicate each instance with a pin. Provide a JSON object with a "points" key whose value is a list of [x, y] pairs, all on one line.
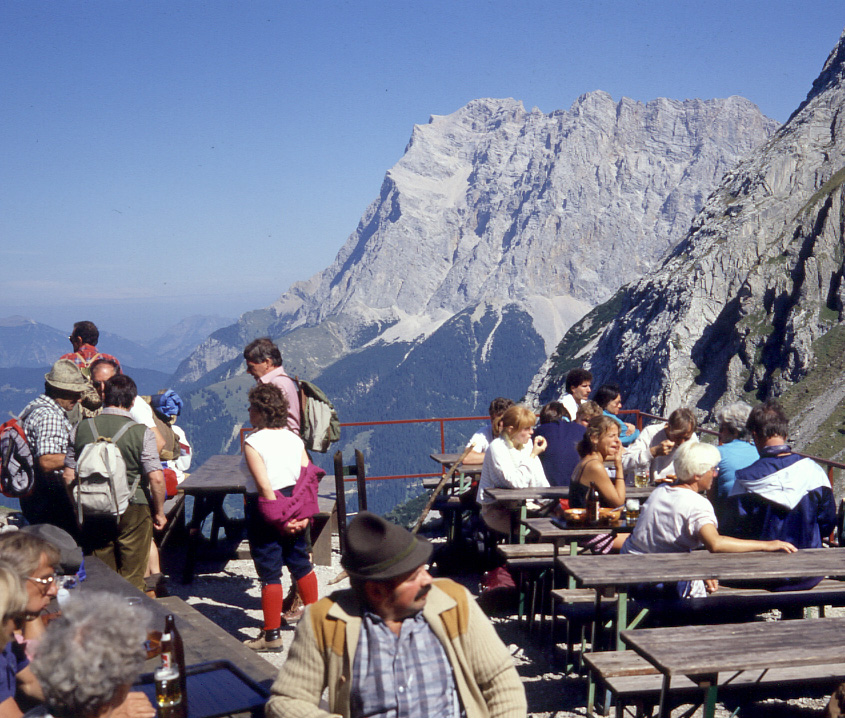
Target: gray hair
{"points": [[91, 654], [694, 458], [13, 597], [733, 418], [23, 551]]}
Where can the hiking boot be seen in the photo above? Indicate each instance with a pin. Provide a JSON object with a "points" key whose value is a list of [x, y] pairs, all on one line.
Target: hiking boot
{"points": [[267, 642], [293, 612], [291, 618]]}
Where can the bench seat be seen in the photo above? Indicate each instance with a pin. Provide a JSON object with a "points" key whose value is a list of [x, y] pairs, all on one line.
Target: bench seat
{"points": [[632, 680]]}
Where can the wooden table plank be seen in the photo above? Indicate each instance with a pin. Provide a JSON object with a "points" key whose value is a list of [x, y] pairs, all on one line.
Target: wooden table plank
{"points": [[554, 492], [630, 569], [697, 650]]}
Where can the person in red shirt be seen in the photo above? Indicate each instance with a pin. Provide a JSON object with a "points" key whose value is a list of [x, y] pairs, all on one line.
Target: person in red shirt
{"points": [[84, 338]]}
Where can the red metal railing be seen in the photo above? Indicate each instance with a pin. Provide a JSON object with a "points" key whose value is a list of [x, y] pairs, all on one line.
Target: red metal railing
{"points": [[442, 421]]}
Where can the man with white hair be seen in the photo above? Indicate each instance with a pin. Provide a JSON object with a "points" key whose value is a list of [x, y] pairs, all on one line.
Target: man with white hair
{"points": [[677, 518]]}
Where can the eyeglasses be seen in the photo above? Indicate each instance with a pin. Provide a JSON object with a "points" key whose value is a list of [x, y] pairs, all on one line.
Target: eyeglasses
{"points": [[45, 582]]}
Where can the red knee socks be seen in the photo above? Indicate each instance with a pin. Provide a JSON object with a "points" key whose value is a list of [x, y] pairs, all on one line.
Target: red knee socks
{"points": [[271, 604], [308, 588]]}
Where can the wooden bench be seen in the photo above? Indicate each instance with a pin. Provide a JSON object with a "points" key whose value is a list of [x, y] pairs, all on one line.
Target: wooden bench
{"points": [[830, 592], [632, 681]]}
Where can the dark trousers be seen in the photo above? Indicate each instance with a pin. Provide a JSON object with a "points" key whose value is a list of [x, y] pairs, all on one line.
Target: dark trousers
{"points": [[123, 546]]}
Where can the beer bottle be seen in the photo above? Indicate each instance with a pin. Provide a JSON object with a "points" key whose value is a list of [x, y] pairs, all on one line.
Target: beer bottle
{"points": [[177, 653], [169, 698], [593, 505]]}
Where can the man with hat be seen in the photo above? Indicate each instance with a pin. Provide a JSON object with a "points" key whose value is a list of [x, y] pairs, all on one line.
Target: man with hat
{"points": [[45, 422], [397, 643]]}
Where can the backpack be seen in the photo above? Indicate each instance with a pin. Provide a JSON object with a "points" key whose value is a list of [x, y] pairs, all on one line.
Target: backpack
{"points": [[17, 467], [319, 426], [101, 488]]}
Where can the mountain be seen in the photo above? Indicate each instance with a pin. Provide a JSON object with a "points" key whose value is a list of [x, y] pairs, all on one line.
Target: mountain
{"points": [[20, 385], [182, 338], [496, 231], [549, 212], [750, 303]]}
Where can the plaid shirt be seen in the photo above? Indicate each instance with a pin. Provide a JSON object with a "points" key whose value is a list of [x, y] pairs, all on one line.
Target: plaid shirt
{"points": [[46, 425], [404, 676], [86, 354]]}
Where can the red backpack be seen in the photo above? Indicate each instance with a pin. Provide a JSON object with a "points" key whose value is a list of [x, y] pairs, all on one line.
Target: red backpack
{"points": [[17, 467]]}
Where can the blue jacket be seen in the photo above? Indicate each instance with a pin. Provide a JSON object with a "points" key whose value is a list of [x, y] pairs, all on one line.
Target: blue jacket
{"points": [[560, 457], [768, 502]]}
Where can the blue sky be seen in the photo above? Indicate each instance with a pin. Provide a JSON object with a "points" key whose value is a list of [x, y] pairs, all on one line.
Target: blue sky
{"points": [[167, 158]]}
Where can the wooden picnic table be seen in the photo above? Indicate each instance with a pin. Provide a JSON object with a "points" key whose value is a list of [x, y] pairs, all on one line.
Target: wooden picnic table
{"points": [[204, 640], [222, 475], [702, 653], [549, 530], [516, 499], [619, 572], [224, 675]]}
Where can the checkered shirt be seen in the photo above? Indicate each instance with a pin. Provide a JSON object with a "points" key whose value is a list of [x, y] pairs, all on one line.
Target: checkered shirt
{"points": [[404, 676], [46, 425]]}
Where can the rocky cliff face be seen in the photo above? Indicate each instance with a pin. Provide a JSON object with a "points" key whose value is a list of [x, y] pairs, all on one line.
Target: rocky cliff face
{"points": [[750, 303], [549, 214]]}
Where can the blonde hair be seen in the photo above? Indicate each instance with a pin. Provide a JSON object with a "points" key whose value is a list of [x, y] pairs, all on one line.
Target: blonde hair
{"points": [[13, 597], [518, 417]]}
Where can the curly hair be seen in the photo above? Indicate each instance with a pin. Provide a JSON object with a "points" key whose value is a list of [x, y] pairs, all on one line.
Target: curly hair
{"points": [[90, 655], [597, 428], [732, 419], [271, 406]]}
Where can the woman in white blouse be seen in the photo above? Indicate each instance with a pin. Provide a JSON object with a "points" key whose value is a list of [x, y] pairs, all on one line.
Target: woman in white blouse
{"points": [[511, 462]]}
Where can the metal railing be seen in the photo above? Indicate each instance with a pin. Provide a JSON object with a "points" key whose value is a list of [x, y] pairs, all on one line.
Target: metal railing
{"points": [[829, 464]]}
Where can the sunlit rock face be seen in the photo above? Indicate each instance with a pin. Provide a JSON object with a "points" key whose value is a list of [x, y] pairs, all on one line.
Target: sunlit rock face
{"points": [[748, 303], [494, 206]]}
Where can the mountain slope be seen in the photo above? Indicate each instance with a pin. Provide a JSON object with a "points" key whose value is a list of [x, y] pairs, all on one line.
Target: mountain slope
{"points": [[492, 203], [750, 303]]}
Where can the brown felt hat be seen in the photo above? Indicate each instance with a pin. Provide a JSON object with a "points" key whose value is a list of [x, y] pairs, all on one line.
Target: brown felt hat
{"points": [[67, 376], [377, 550]]}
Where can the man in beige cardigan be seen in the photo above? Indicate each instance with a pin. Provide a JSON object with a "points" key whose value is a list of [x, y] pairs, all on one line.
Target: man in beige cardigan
{"points": [[398, 643]]}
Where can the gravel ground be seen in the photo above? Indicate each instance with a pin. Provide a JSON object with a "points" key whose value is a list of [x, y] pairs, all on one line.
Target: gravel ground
{"points": [[228, 593]]}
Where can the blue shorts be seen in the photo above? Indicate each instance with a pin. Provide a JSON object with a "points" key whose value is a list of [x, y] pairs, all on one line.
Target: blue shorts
{"points": [[271, 550]]}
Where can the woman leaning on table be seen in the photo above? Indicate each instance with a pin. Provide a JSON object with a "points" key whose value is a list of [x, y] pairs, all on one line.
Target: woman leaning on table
{"points": [[677, 518], [511, 462], [275, 457], [599, 444]]}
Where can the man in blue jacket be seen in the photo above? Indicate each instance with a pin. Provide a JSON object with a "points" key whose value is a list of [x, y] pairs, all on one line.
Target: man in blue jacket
{"points": [[782, 495]]}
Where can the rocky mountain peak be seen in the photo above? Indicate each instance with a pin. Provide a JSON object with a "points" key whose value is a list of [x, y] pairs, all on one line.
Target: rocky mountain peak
{"points": [[745, 305]]}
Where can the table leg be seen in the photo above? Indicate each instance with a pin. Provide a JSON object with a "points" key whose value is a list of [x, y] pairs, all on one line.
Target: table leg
{"points": [[523, 529], [664, 690], [710, 685], [621, 617]]}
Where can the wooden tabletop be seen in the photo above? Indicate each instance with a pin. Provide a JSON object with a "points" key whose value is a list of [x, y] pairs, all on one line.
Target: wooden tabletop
{"points": [[697, 650], [448, 460], [629, 569], [548, 531], [221, 473], [553, 492], [203, 639], [225, 474]]}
